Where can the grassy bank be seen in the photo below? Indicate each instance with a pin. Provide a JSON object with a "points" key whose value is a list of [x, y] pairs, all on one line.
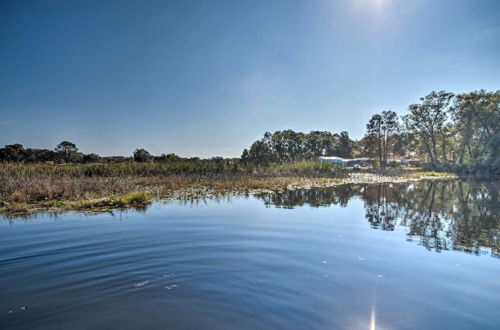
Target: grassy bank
{"points": [[137, 200], [26, 188]]}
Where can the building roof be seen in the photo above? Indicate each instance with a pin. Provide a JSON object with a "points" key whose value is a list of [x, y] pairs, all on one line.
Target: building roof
{"points": [[344, 159]]}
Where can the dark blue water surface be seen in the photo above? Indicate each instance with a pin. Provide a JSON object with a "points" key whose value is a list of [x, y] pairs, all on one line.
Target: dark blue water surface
{"points": [[400, 256]]}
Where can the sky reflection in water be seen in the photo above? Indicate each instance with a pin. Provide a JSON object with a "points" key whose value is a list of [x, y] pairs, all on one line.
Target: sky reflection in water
{"points": [[270, 261]]}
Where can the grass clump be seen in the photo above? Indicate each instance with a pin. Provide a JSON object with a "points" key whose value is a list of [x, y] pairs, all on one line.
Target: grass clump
{"points": [[139, 198], [434, 173], [135, 199], [14, 207]]}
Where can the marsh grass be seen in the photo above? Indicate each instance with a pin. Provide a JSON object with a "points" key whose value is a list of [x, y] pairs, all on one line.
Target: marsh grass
{"points": [[201, 168], [26, 188], [28, 183]]}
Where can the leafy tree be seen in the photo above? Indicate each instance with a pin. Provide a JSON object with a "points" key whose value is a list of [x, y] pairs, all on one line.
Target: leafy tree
{"points": [[477, 118], [91, 158], [381, 128], [389, 126], [68, 151], [66, 147], [374, 132], [12, 153], [260, 153], [168, 158], [401, 143], [142, 155], [344, 149], [426, 121], [291, 146], [245, 156], [318, 143]]}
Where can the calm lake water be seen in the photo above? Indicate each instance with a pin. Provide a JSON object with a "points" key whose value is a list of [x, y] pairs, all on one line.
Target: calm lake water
{"points": [[389, 256]]}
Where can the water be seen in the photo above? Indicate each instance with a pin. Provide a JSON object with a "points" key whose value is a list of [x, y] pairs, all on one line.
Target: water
{"points": [[401, 256]]}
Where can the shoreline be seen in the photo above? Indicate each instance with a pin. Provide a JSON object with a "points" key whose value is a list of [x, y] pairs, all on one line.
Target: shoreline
{"points": [[149, 190]]}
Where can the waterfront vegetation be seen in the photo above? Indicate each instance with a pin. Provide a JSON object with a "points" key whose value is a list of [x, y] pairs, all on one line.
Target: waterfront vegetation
{"points": [[444, 132], [26, 188]]}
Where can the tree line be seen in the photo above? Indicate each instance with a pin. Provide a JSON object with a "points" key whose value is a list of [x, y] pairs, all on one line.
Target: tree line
{"points": [[68, 152], [290, 146], [446, 131], [450, 132]]}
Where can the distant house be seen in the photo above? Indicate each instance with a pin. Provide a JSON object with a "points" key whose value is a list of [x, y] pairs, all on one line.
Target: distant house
{"points": [[347, 162]]}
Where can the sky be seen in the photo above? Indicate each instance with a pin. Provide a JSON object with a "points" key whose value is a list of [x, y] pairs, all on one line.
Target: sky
{"points": [[207, 78]]}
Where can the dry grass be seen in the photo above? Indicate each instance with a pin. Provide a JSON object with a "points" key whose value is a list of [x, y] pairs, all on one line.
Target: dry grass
{"points": [[32, 183], [29, 188], [24, 195]]}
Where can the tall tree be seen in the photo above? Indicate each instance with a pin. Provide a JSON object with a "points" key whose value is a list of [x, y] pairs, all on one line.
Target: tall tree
{"points": [[142, 155], [66, 147], [389, 126], [260, 153], [477, 120], [374, 132], [344, 148], [68, 151], [427, 119]]}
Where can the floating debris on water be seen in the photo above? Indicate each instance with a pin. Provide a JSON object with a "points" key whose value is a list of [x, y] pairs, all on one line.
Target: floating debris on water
{"points": [[171, 286], [22, 308], [169, 275], [141, 284]]}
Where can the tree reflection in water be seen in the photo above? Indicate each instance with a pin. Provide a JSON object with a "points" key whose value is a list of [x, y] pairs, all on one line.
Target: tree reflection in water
{"points": [[456, 214]]}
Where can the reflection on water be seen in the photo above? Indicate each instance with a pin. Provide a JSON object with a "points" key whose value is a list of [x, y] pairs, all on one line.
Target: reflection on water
{"points": [[237, 264], [443, 215]]}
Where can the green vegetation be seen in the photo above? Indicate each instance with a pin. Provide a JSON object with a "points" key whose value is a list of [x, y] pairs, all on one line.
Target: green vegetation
{"points": [[215, 168], [27, 188], [456, 133], [136, 200], [290, 146], [444, 133], [106, 185]]}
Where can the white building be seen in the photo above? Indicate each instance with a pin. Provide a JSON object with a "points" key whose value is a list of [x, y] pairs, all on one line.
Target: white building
{"points": [[346, 162]]}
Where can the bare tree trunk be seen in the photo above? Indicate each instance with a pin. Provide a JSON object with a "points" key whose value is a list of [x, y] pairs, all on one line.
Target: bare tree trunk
{"points": [[465, 141], [429, 151], [445, 159], [385, 149], [380, 151], [434, 149]]}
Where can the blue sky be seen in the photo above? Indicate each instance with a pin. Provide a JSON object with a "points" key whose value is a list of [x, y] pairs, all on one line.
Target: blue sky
{"points": [[207, 78]]}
